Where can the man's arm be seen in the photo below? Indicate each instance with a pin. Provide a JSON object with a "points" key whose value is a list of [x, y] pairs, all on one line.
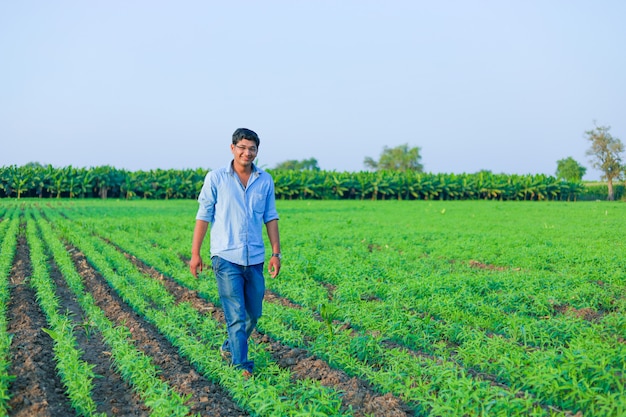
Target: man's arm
{"points": [[274, 237], [199, 232]]}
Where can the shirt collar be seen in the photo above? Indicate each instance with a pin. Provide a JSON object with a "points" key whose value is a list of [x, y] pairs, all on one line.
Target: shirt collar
{"points": [[255, 170]]}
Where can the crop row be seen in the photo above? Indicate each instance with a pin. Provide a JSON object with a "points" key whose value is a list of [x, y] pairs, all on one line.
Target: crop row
{"points": [[8, 236]]}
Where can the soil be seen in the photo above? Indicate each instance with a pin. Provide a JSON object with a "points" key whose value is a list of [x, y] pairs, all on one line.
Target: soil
{"points": [[38, 391]]}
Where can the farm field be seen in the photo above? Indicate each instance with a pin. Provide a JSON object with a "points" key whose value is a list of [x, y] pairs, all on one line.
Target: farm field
{"points": [[382, 308]]}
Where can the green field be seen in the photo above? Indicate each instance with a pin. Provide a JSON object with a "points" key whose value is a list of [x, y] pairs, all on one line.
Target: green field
{"points": [[444, 308]]}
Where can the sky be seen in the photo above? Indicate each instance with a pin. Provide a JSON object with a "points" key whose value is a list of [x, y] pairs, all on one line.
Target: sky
{"points": [[505, 86]]}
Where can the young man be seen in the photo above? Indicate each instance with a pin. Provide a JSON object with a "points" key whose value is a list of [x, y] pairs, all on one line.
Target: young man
{"points": [[236, 201]]}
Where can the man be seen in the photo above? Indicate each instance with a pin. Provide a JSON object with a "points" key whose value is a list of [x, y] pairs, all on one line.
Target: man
{"points": [[236, 201]]}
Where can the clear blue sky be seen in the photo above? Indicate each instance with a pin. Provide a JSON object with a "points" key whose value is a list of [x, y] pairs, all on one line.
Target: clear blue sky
{"points": [[506, 86]]}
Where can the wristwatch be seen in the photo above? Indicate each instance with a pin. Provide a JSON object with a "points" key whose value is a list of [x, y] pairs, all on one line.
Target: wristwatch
{"points": [[277, 255]]}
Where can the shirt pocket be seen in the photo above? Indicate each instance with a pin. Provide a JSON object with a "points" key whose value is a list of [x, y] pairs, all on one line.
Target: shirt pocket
{"points": [[257, 201]]}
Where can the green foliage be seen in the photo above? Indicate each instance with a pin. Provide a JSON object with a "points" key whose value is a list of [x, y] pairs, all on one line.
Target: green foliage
{"points": [[456, 307], [569, 169], [411, 185], [600, 191], [108, 182], [8, 236], [400, 158], [103, 182], [328, 312]]}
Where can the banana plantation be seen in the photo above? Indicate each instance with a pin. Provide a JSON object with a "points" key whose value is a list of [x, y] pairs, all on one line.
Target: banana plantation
{"points": [[108, 182]]}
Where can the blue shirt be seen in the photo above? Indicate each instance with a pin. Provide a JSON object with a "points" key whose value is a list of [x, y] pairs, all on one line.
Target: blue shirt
{"points": [[237, 213]]}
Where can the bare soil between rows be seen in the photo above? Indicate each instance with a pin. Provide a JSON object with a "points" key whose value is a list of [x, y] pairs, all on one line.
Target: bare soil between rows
{"points": [[38, 391]]}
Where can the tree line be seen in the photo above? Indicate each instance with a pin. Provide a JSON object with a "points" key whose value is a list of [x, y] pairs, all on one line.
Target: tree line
{"points": [[37, 181], [398, 174]]}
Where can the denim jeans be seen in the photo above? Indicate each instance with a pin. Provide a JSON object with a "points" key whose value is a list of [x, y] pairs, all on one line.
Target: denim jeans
{"points": [[241, 290]]}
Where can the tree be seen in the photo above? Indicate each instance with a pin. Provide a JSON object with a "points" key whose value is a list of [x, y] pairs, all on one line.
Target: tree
{"points": [[605, 155], [400, 158], [304, 165], [570, 170]]}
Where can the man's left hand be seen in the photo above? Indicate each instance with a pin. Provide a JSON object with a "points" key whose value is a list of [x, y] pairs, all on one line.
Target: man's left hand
{"points": [[274, 267]]}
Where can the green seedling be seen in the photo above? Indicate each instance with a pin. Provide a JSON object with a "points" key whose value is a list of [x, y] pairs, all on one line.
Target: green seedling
{"points": [[329, 313]]}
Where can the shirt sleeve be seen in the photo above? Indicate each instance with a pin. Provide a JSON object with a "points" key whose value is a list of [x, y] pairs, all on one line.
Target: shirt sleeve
{"points": [[270, 203], [207, 199]]}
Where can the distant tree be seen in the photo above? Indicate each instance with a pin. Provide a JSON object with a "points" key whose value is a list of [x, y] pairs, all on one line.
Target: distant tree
{"points": [[304, 165], [287, 165], [570, 170], [400, 158], [33, 165], [605, 155]]}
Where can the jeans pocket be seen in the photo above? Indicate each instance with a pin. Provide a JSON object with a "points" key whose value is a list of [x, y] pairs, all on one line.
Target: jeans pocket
{"points": [[215, 264]]}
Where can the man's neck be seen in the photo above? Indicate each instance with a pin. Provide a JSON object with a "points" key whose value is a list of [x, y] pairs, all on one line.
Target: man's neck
{"points": [[242, 169]]}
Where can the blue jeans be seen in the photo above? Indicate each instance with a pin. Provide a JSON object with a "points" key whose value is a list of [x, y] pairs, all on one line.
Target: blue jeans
{"points": [[241, 290]]}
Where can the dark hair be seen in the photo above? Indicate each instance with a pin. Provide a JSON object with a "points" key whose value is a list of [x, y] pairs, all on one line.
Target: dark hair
{"points": [[242, 133]]}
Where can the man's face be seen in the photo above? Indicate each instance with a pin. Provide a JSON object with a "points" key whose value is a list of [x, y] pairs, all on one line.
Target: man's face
{"points": [[244, 152]]}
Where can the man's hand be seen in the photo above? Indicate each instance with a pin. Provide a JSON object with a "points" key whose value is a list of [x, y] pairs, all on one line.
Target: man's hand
{"points": [[272, 233], [274, 267], [199, 231], [195, 265]]}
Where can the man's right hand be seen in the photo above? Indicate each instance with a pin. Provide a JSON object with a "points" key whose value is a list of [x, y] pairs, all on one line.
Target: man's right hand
{"points": [[199, 231], [195, 265]]}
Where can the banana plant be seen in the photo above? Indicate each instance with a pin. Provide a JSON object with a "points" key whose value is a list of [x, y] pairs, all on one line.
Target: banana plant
{"points": [[286, 184], [127, 187], [338, 185], [108, 179], [311, 185], [17, 180]]}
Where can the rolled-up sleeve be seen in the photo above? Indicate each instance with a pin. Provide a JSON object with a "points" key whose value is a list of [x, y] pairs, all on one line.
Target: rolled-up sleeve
{"points": [[270, 203], [207, 198]]}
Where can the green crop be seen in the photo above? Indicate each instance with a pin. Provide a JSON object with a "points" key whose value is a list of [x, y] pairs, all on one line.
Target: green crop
{"points": [[456, 307]]}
